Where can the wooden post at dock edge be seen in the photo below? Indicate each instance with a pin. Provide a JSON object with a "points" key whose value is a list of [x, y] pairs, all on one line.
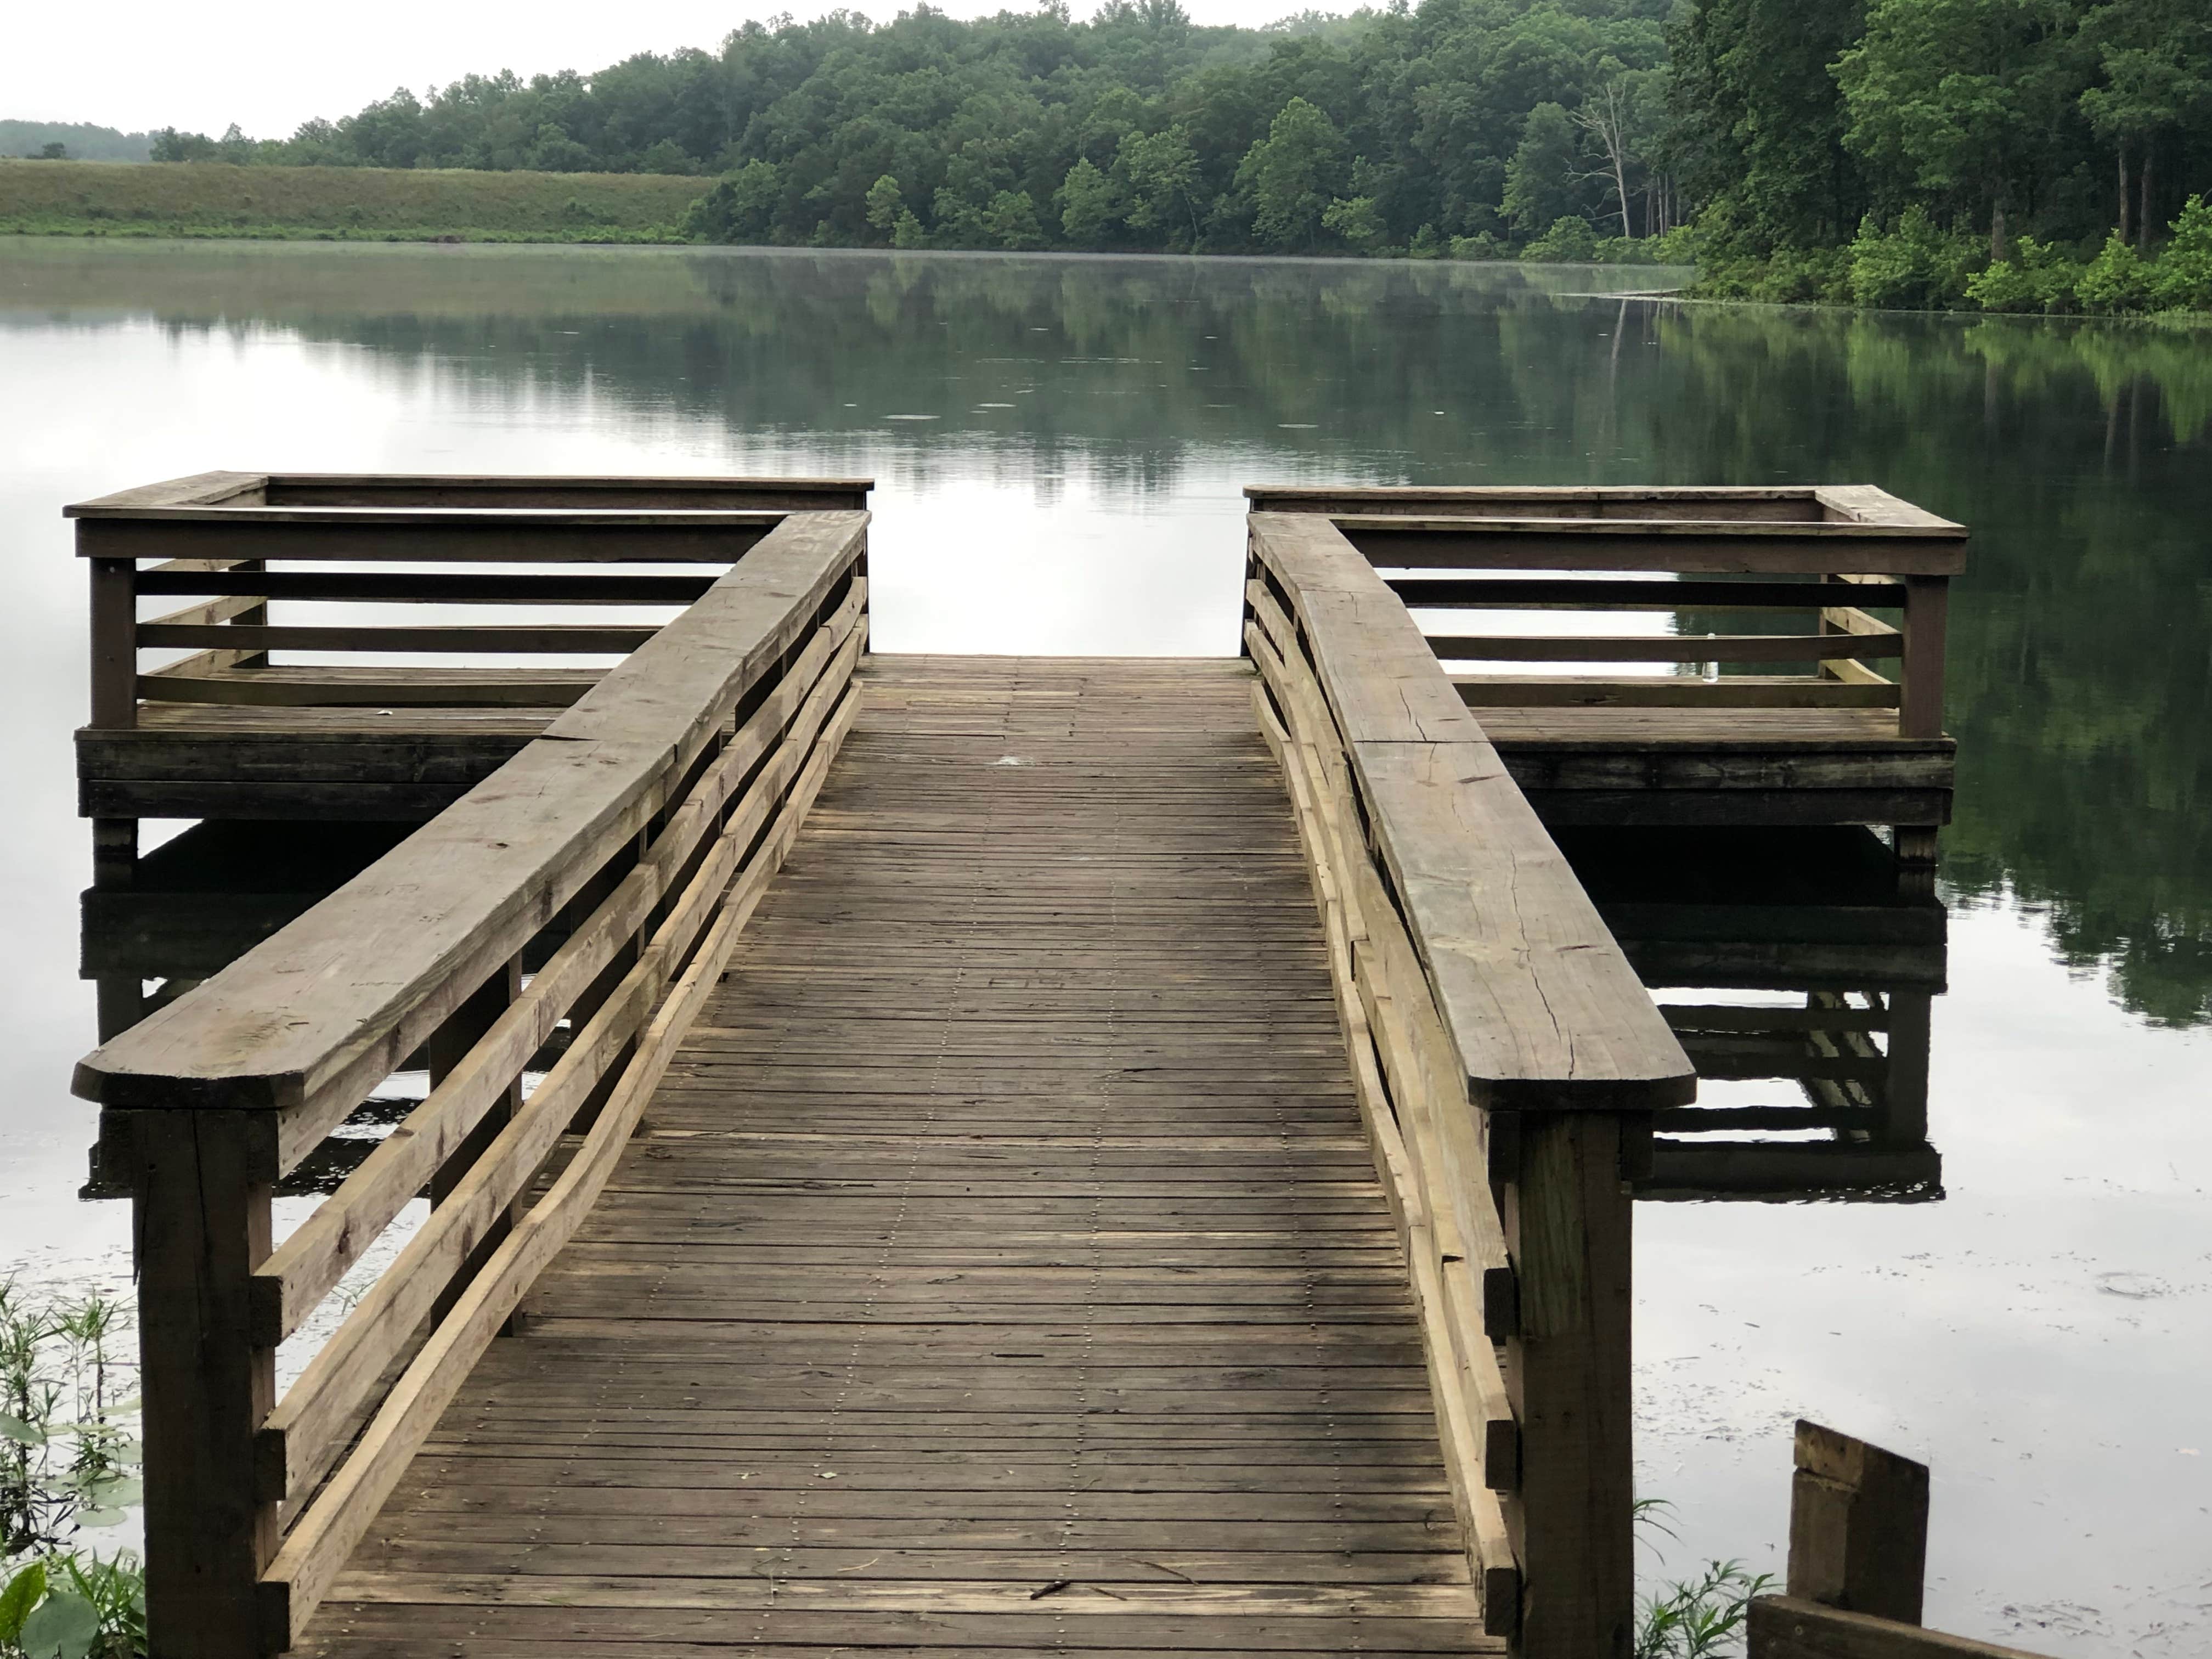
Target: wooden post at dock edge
{"points": [[1858, 1526], [202, 1183], [1567, 1373]]}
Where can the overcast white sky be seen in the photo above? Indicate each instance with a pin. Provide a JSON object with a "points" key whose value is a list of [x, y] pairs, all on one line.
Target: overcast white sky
{"points": [[138, 64]]}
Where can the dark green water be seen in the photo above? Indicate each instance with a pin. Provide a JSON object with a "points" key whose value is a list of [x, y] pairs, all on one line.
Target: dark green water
{"points": [[1058, 444]]}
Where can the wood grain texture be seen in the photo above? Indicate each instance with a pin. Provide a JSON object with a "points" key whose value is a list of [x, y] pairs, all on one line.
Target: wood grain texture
{"points": [[306, 1021], [999, 1266], [1540, 1005], [1786, 1627]]}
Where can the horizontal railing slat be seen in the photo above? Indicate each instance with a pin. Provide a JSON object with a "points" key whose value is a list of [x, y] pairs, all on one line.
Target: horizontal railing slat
{"points": [[1665, 648], [313, 1017], [447, 587], [1656, 593], [208, 678], [1674, 691], [479, 638]]}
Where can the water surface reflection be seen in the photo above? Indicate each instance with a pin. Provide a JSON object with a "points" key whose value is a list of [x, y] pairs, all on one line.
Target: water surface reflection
{"points": [[1059, 445]]}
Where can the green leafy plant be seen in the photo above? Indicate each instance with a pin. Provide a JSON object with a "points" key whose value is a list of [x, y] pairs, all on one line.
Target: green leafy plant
{"points": [[69, 1457], [74, 1606], [1700, 1618]]}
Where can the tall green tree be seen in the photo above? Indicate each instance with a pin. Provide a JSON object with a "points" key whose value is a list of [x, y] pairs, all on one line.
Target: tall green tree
{"points": [[1293, 174], [1962, 98]]}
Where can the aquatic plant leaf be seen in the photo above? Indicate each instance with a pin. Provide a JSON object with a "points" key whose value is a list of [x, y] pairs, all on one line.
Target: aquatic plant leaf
{"points": [[63, 1626], [20, 1595], [99, 1517], [22, 1433]]}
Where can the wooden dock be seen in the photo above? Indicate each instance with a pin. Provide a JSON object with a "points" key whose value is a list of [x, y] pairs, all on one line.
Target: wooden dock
{"points": [[929, 1155], [868, 1345]]}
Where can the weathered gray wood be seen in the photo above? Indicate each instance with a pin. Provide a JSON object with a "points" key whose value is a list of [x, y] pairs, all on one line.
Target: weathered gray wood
{"points": [[309, 1020], [559, 638], [469, 489], [206, 679], [1513, 592], [316, 1549], [1539, 1003], [1781, 503], [1664, 647], [200, 1184], [536, 536], [1404, 542], [114, 653], [434, 587], [1117, 1380], [1858, 1526], [201, 488], [1669, 691], [1927, 608], [1787, 1627], [1567, 1368]]}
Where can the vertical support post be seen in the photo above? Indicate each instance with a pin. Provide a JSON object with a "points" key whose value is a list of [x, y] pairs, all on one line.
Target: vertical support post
{"points": [[1567, 1374], [1904, 1092], [463, 1029], [1920, 712], [201, 1183], [256, 617], [1927, 613], [114, 622], [1858, 1526]]}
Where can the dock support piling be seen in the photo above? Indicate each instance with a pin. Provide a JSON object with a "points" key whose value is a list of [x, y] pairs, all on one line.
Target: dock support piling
{"points": [[1567, 1370], [202, 1183]]}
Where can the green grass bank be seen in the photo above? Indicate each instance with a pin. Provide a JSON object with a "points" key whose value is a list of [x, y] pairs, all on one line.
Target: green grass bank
{"points": [[114, 198]]}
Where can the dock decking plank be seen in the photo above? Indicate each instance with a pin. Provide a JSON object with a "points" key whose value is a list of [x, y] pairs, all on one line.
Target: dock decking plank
{"points": [[1001, 1268]]}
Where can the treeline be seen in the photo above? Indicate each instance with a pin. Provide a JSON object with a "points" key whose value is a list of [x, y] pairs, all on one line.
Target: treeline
{"points": [[2017, 154], [1483, 122], [2020, 154]]}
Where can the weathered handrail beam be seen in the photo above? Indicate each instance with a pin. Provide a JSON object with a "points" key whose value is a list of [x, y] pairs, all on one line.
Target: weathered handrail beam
{"points": [[1506, 1059], [1539, 1003]]}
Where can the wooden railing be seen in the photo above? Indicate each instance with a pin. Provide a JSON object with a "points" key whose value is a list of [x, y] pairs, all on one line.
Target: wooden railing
{"points": [[1841, 552], [1507, 1061], [231, 545], [635, 838]]}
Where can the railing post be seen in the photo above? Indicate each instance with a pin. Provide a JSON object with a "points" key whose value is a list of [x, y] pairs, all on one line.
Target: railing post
{"points": [[114, 614], [201, 1183], [447, 1046], [1567, 1225]]}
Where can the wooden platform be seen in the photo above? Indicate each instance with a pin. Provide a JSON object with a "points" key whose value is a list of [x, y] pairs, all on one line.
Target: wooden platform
{"points": [[1722, 766], [1001, 1268], [1578, 765]]}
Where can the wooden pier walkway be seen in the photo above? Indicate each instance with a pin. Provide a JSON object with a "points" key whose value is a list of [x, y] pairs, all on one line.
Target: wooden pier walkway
{"points": [[1001, 1264], [925, 1155]]}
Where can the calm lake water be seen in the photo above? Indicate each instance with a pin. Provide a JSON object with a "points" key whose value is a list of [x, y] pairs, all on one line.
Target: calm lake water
{"points": [[1058, 445]]}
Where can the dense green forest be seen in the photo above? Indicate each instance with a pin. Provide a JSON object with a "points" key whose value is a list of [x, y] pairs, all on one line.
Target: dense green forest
{"points": [[2023, 155]]}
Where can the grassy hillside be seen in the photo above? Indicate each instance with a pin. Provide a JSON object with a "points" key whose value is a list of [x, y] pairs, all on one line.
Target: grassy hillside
{"points": [[214, 199]]}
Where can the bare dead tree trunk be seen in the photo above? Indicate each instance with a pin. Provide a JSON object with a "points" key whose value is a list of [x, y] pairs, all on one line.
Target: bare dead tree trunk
{"points": [[2126, 235], [1608, 124], [2142, 202]]}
